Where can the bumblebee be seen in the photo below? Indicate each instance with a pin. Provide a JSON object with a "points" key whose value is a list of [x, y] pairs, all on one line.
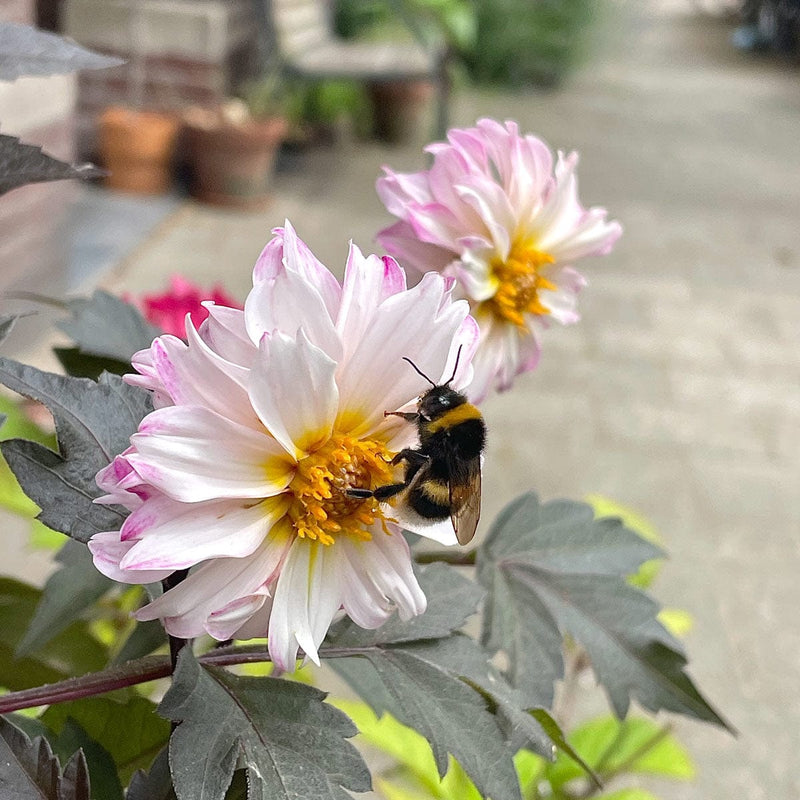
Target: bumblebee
{"points": [[443, 474]]}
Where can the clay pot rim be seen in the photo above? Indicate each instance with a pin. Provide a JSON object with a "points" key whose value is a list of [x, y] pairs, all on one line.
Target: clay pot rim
{"points": [[126, 116], [213, 122]]}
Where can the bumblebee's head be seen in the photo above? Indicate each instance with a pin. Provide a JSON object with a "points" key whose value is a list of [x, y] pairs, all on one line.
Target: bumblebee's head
{"points": [[441, 398], [438, 401]]}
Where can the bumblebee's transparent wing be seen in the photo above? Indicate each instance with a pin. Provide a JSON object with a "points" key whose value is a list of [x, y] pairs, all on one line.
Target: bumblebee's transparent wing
{"points": [[465, 499]]}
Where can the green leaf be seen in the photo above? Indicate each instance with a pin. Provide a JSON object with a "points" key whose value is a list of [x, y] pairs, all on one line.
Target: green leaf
{"points": [[94, 422], [553, 570], [412, 752], [143, 640], [83, 365], [21, 164], [410, 749], [24, 50], [73, 652], [452, 599], [75, 782], [530, 768], [677, 621], [129, 730], [605, 507], [69, 591], [18, 425], [292, 744], [30, 771], [393, 791], [107, 327], [554, 732], [448, 691], [632, 746], [102, 771], [155, 784]]}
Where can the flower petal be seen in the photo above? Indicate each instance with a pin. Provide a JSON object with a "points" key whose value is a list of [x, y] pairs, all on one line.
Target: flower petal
{"points": [[307, 596], [416, 324], [107, 551], [289, 297], [292, 388], [193, 454], [211, 587], [172, 535], [194, 375], [225, 333], [378, 577], [367, 283]]}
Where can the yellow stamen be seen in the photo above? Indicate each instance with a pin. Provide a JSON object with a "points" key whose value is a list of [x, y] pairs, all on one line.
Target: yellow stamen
{"points": [[520, 281], [320, 506]]}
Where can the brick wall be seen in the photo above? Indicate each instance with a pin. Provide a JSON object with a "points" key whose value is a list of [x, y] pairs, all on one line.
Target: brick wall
{"points": [[187, 53]]}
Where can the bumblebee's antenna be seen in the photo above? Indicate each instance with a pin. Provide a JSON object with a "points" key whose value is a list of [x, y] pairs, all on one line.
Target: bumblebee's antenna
{"points": [[419, 371], [455, 368]]}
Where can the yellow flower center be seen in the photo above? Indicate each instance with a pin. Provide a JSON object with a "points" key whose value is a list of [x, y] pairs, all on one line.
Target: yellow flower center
{"points": [[320, 508], [520, 280]]}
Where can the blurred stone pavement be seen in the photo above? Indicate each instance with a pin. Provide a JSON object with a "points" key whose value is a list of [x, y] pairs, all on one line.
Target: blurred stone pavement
{"points": [[678, 393]]}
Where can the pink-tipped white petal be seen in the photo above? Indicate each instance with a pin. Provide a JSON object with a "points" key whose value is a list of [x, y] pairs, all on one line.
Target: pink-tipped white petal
{"points": [[171, 535], [194, 375], [107, 551], [187, 607], [173, 449], [287, 299]]}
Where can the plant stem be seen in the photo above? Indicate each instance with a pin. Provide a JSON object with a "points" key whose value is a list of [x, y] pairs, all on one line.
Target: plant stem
{"points": [[176, 644], [143, 670], [458, 559]]}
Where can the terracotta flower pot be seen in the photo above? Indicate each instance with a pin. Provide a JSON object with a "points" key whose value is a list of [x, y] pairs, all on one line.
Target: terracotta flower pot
{"points": [[231, 161], [136, 147], [398, 109]]}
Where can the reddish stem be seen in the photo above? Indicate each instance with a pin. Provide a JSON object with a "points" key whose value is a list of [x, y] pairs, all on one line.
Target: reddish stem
{"points": [[142, 670]]}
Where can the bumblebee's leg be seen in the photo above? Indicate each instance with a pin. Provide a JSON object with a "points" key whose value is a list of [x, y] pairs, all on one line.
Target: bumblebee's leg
{"points": [[408, 416], [359, 494], [385, 492], [381, 493], [413, 457]]}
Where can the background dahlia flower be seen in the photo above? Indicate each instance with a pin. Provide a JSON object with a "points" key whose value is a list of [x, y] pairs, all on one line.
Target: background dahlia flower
{"points": [[495, 214], [264, 419], [167, 310]]}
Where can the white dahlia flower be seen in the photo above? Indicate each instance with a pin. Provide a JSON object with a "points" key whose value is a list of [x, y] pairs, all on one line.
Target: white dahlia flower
{"points": [[496, 215], [264, 419]]}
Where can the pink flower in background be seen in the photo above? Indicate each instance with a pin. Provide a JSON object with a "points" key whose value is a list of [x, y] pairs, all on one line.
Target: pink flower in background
{"points": [[265, 417], [168, 310], [494, 213]]}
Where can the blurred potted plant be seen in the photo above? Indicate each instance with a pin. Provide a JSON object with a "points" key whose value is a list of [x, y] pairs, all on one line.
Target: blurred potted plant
{"points": [[137, 146], [231, 149]]}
